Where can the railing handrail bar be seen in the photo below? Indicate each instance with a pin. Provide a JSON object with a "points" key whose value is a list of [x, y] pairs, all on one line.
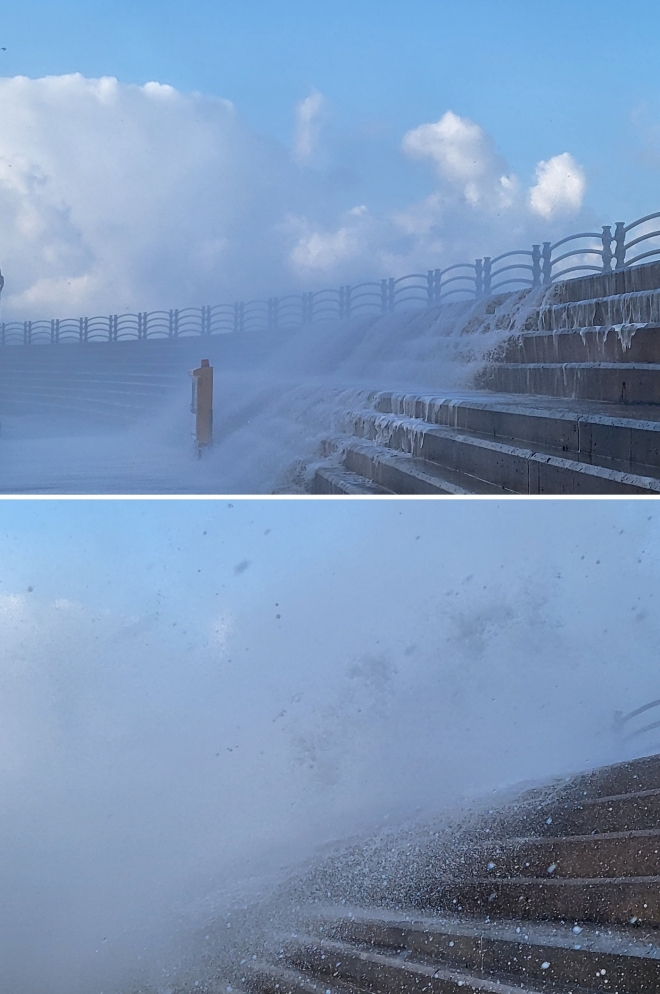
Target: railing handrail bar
{"points": [[567, 255], [642, 238], [579, 269], [505, 269], [412, 276], [458, 265], [644, 255], [505, 255], [641, 220], [633, 714], [570, 238]]}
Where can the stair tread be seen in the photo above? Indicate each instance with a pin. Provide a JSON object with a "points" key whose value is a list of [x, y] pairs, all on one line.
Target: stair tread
{"points": [[651, 367], [469, 980], [440, 477], [550, 881], [349, 482], [546, 840], [622, 940], [539, 405], [523, 450]]}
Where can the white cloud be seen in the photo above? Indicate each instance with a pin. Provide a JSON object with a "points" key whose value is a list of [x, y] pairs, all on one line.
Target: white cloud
{"points": [[310, 113], [121, 198], [560, 186], [465, 157], [118, 197], [324, 251]]}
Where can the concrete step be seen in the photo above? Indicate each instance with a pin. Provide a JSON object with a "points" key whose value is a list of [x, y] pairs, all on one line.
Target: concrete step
{"points": [[619, 900], [635, 812], [564, 813], [612, 854], [401, 473], [268, 979], [616, 383], [375, 971], [633, 310], [629, 777], [637, 279], [533, 951], [480, 462], [335, 480], [586, 431], [620, 344]]}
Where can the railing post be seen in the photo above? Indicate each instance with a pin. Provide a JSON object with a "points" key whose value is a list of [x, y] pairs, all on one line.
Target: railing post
{"points": [[547, 262], [430, 288], [536, 265], [174, 323], [308, 307], [607, 248], [390, 295], [488, 267], [27, 332], [52, 331], [437, 285], [86, 329], [620, 244], [81, 330], [273, 313], [344, 302], [239, 311], [383, 296], [479, 278]]}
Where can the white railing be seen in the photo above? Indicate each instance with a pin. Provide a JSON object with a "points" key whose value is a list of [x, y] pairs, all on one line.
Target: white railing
{"points": [[583, 253]]}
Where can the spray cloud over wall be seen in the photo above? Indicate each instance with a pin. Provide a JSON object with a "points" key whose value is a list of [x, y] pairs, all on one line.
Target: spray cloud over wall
{"points": [[196, 696]]}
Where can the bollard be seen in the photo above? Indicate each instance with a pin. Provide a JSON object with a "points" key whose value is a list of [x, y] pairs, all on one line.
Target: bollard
{"points": [[202, 405]]}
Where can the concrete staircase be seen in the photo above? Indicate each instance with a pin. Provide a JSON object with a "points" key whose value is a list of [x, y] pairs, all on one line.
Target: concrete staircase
{"points": [[557, 892], [570, 405]]}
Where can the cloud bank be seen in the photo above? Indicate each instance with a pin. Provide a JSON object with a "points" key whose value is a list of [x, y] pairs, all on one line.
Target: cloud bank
{"points": [[121, 197]]}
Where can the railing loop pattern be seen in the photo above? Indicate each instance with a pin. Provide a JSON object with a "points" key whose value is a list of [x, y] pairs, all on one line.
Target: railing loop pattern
{"points": [[579, 254], [621, 721]]}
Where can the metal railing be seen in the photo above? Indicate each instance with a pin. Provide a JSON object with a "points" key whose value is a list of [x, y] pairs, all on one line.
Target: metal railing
{"points": [[621, 721], [583, 253]]}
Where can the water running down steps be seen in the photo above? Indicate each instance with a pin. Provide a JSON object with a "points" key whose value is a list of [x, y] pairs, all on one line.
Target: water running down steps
{"points": [[427, 401], [570, 403], [559, 891]]}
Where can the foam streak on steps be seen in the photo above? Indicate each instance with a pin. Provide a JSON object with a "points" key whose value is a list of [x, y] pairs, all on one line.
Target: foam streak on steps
{"points": [[547, 930], [568, 405]]}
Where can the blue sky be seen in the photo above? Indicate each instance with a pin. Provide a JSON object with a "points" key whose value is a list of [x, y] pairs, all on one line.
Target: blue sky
{"points": [[540, 78], [379, 191]]}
